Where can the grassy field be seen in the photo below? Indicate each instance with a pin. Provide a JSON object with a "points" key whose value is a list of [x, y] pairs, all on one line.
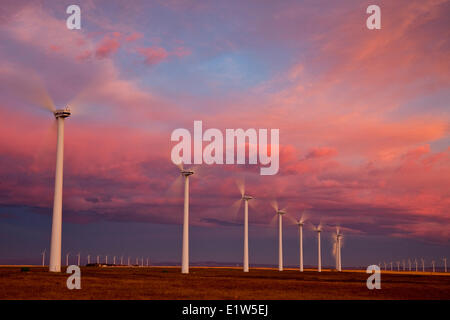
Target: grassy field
{"points": [[217, 283]]}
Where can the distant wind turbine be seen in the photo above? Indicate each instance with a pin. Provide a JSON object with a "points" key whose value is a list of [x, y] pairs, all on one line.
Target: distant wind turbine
{"points": [[318, 229], [300, 224], [423, 264], [391, 267], [398, 266], [43, 257], [79, 258], [280, 214], [409, 264], [445, 264], [98, 259], [433, 264], [415, 262], [114, 260], [67, 258], [237, 204], [403, 262], [89, 259]]}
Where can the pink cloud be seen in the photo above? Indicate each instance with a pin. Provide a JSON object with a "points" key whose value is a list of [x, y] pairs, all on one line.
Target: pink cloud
{"points": [[153, 55], [107, 47], [321, 152]]}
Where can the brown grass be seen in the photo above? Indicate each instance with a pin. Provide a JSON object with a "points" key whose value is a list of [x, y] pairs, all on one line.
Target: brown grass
{"points": [[216, 283]]}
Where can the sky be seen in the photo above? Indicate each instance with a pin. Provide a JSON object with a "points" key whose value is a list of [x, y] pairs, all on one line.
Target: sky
{"points": [[363, 117]]}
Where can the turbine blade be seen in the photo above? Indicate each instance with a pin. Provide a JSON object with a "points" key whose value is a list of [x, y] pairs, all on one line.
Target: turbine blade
{"points": [[26, 85], [241, 186], [274, 205], [274, 220], [236, 208], [176, 188], [290, 219]]}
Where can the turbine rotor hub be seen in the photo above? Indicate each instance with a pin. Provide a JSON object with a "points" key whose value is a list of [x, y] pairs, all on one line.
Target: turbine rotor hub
{"points": [[62, 113]]}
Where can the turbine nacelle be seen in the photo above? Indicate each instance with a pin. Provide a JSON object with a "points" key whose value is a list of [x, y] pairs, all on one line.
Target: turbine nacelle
{"points": [[187, 173], [281, 212], [62, 113], [246, 198]]}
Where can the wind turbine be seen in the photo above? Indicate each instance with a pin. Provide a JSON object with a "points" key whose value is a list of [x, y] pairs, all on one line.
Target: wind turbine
{"points": [[403, 262], [185, 250], [385, 266], [433, 264], [318, 229], [55, 245], [98, 259], [337, 248], [398, 266], [79, 256], [43, 257], [409, 264], [137, 261], [415, 262], [128, 261], [300, 224], [147, 261], [445, 264], [67, 258], [121, 260], [391, 267], [89, 259], [106, 259], [246, 199]]}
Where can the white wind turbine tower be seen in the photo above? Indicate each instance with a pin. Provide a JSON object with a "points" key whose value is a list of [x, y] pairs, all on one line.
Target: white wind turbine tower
{"points": [[398, 266], [409, 264], [137, 261], [121, 260], [142, 261], [415, 262], [79, 258], [128, 261], [391, 267], [89, 259], [55, 245], [337, 237], [98, 259], [246, 199], [185, 244], [106, 259], [300, 224], [385, 266], [114, 260], [445, 264], [280, 214], [319, 254], [67, 258], [280, 239], [404, 266], [423, 264], [433, 264], [43, 257]]}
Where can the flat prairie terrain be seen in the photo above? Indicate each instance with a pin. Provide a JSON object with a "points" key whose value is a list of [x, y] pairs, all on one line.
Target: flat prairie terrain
{"points": [[167, 283]]}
